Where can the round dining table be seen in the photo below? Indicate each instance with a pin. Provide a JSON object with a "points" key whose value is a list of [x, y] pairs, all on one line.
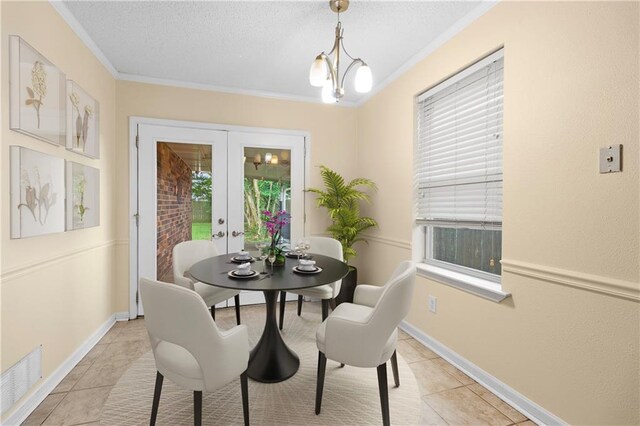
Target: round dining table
{"points": [[271, 360]]}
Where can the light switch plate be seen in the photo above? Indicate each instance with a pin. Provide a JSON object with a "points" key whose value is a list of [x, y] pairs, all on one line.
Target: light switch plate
{"points": [[610, 159], [433, 304]]}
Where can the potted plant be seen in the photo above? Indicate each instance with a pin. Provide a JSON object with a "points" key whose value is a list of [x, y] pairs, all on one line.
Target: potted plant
{"points": [[342, 201], [274, 222]]}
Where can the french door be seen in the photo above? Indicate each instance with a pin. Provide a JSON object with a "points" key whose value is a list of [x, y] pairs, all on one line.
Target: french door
{"points": [[248, 172]]}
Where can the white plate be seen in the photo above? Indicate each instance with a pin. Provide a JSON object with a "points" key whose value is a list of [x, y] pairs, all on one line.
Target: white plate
{"points": [[234, 274], [302, 271], [242, 259]]}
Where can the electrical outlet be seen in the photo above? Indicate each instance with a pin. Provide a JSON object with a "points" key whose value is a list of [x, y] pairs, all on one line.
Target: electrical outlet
{"points": [[433, 304]]}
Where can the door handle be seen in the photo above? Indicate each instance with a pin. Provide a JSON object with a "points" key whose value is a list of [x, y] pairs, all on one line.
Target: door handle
{"points": [[236, 233], [218, 235]]}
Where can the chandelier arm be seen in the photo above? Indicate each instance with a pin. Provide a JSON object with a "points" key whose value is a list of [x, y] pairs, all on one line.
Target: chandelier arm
{"points": [[355, 61], [332, 72], [345, 50]]}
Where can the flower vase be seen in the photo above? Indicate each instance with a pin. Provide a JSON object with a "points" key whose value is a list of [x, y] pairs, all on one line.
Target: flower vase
{"points": [[280, 259]]}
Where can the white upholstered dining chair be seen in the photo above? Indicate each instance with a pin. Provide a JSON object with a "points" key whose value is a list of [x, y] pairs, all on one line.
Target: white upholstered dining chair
{"points": [[187, 253], [364, 333], [327, 293], [188, 347]]}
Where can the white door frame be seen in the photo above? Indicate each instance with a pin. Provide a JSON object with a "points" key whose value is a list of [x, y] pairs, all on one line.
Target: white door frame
{"points": [[134, 121]]}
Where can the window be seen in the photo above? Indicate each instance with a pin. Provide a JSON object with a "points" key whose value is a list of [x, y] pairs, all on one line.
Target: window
{"points": [[458, 172]]}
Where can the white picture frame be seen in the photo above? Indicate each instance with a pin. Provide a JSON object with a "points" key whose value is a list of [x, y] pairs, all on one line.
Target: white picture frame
{"points": [[83, 121], [37, 92], [83, 196], [37, 193]]}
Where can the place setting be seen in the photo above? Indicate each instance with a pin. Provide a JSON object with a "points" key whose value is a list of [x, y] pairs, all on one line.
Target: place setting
{"points": [[307, 267], [300, 251], [242, 257]]}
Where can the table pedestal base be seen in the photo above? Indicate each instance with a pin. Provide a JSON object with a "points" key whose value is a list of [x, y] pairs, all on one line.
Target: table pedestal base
{"points": [[271, 360]]}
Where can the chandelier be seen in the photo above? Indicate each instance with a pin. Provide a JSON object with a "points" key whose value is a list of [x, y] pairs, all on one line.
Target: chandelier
{"points": [[325, 71]]}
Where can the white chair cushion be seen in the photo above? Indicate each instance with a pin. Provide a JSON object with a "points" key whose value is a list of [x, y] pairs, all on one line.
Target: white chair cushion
{"points": [[321, 292], [212, 294], [357, 313], [177, 364]]}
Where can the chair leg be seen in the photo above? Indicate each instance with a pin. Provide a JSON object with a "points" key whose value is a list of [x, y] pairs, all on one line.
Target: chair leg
{"points": [[325, 309], [384, 393], [197, 408], [322, 365], [156, 398], [283, 298], [300, 300], [332, 304], [394, 367], [213, 312], [245, 397], [237, 300]]}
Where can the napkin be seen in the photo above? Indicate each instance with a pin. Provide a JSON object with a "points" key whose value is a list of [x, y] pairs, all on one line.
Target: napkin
{"points": [[244, 269], [243, 254], [307, 265]]}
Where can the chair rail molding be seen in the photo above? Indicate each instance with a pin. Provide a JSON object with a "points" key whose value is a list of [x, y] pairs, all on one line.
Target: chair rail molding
{"points": [[31, 267], [403, 244], [611, 286], [527, 407]]}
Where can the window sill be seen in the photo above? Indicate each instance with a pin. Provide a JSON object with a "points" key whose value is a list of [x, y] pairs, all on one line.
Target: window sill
{"points": [[477, 286]]}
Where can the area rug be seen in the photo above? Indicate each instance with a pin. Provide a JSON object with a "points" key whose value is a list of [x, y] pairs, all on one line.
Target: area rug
{"points": [[350, 394]]}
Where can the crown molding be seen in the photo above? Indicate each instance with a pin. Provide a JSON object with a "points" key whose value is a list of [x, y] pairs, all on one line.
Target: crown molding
{"points": [[458, 26], [451, 32], [71, 20], [225, 89]]}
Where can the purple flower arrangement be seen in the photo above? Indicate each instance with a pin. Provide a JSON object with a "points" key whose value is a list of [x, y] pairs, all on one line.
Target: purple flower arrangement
{"points": [[274, 222]]}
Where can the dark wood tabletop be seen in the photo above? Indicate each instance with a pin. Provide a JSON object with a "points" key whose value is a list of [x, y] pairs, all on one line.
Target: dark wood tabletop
{"points": [[214, 271]]}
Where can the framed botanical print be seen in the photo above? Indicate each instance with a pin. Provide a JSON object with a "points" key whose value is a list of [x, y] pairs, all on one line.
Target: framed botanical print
{"points": [[36, 95], [83, 124], [37, 193], [83, 196]]}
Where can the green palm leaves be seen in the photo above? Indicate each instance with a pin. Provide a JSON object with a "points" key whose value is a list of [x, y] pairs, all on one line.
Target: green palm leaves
{"points": [[342, 201]]}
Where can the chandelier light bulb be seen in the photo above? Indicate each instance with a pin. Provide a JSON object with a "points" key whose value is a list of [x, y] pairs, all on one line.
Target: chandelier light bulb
{"points": [[364, 79], [267, 158], [274, 159], [318, 73], [327, 92]]}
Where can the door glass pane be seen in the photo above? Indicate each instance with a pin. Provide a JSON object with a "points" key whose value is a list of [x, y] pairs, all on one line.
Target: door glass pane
{"points": [[267, 186], [184, 199]]}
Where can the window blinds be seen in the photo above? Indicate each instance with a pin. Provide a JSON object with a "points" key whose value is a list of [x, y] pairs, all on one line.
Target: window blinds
{"points": [[458, 171]]}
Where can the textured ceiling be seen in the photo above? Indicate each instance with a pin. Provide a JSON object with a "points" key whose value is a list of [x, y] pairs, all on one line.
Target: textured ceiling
{"points": [[260, 46]]}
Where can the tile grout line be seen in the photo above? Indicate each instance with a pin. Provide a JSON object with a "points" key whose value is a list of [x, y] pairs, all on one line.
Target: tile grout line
{"points": [[53, 409], [489, 402]]}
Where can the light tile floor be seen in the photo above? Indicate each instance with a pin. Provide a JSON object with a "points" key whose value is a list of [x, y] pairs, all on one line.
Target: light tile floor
{"points": [[448, 395]]}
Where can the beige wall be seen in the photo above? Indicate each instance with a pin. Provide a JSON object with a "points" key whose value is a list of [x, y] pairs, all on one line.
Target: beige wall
{"points": [[57, 290], [571, 86], [332, 129]]}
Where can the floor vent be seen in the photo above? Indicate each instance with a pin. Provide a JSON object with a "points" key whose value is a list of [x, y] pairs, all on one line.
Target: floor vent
{"points": [[20, 377]]}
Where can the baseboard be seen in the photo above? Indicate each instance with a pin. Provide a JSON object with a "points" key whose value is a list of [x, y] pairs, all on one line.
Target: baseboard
{"points": [[34, 399], [121, 316], [527, 407]]}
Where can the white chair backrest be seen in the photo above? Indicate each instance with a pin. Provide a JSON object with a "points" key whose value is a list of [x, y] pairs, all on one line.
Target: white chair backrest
{"points": [[328, 247], [178, 315], [187, 253], [394, 303]]}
